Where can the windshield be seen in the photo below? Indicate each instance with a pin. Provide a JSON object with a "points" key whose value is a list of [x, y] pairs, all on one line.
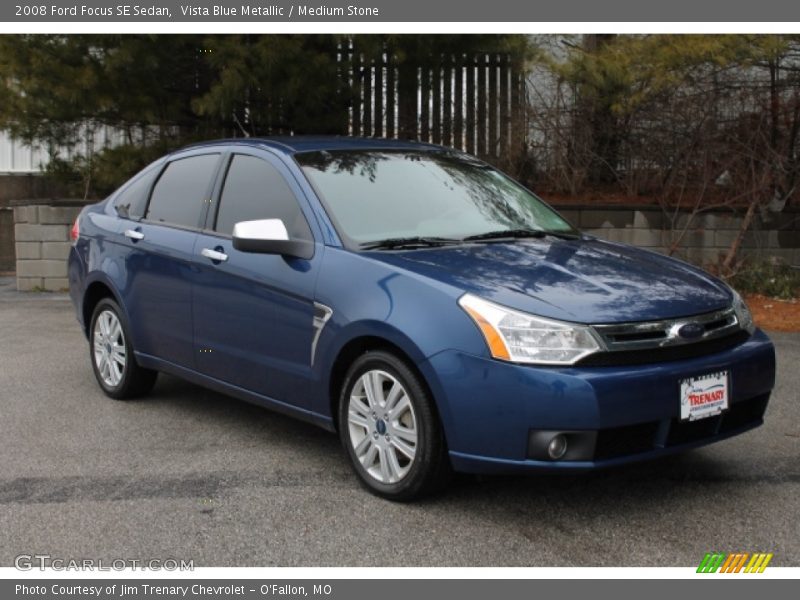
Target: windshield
{"points": [[379, 195]]}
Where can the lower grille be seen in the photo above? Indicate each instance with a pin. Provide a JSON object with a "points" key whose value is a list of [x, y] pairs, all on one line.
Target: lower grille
{"points": [[685, 432], [621, 441], [744, 413], [643, 437]]}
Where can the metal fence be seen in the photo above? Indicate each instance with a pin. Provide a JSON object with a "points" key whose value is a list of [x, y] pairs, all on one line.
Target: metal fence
{"points": [[470, 102]]}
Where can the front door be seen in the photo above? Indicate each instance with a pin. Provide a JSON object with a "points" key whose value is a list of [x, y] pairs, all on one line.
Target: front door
{"points": [[254, 313]]}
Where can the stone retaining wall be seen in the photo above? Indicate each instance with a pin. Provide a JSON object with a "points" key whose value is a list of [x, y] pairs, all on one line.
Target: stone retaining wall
{"points": [[22, 189], [706, 239], [6, 239], [41, 236]]}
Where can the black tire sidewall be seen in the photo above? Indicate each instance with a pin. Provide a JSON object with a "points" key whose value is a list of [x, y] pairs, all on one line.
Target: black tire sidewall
{"points": [[429, 437]]}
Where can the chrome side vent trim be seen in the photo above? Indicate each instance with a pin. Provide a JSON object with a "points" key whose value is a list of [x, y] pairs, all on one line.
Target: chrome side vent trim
{"points": [[322, 314]]}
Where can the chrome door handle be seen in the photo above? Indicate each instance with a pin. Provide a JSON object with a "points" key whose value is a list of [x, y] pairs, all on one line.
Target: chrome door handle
{"points": [[214, 255], [134, 235]]}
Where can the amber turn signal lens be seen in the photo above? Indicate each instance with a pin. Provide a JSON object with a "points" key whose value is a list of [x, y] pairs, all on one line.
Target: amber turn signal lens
{"points": [[496, 344]]}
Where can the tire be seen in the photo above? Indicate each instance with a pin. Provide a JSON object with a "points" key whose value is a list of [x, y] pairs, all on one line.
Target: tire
{"points": [[389, 428], [111, 354]]}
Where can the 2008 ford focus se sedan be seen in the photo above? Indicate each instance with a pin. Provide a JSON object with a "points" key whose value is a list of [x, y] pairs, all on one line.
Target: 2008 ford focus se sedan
{"points": [[436, 314]]}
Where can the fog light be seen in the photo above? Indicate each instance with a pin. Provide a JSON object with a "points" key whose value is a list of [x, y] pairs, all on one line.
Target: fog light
{"points": [[557, 447]]}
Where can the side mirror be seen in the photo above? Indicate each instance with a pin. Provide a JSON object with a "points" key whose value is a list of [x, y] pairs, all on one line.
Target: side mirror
{"points": [[269, 236]]}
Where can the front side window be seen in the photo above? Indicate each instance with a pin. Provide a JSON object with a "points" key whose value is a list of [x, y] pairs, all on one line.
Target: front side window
{"points": [[253, 190], [181, 190], [378, 195]]}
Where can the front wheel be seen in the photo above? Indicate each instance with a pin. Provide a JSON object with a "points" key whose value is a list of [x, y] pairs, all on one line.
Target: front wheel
{"points": [[390, 429], [111, 352]]}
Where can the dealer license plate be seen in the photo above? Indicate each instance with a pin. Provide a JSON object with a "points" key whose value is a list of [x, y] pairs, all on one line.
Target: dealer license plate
{"points": [[704, 396]]}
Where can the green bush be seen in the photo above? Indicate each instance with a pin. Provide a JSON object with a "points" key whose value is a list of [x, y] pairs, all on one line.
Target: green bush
{"points": [[769, 278]]}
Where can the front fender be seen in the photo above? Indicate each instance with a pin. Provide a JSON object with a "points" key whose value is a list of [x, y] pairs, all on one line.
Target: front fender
{"points": [[416, 314]]}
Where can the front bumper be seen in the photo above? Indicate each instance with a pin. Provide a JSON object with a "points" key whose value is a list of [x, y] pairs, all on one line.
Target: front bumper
{"points": [[489, 408]]}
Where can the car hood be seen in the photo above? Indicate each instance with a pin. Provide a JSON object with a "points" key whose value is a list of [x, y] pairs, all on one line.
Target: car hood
{"points": [[585, 280]]}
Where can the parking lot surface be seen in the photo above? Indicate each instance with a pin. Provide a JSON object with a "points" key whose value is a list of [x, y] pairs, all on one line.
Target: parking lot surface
{"points": [[190, 474]]}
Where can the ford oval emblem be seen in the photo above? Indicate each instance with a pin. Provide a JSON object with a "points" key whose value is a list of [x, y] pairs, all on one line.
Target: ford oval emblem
{"points": [[691, 331]]}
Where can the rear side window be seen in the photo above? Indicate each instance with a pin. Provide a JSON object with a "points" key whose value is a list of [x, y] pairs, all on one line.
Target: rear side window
{"points": [[254, 189], [179, 193], [132, 201]]}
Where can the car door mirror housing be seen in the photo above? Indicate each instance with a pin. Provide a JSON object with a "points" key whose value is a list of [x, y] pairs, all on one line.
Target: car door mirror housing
{"points": [[269, 236]]}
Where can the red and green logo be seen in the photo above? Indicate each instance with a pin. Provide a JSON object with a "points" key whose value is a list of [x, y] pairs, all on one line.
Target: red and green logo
{"points": [[736, 562]]}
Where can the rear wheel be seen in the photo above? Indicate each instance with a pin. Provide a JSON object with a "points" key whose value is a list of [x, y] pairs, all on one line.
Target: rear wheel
{"points": [[390, 429], [113, 362]]}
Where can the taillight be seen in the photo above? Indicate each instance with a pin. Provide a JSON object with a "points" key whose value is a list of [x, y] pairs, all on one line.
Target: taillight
{"points": [[75, 231]]}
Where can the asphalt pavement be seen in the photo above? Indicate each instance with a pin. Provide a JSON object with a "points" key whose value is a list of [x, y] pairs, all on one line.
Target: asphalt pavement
{"points": [[190, 474]]}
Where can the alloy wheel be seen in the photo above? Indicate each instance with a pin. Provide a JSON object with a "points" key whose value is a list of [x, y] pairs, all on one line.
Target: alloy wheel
{"points": [[382, 426], [108, 344]]}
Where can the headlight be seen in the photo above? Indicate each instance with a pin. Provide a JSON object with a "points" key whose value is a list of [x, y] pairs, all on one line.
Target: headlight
{"points": [[520, 337], [743, 314]]}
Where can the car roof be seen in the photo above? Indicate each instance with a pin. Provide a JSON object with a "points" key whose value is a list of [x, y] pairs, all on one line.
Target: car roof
{"points": [[310, 143]]}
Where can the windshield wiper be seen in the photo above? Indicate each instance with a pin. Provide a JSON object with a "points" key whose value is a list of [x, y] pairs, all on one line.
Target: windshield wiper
{"points": [[408, 242], [432, 241], [501, 234]]}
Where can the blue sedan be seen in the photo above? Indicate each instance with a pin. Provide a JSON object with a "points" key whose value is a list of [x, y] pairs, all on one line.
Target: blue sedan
{"points": [[435, 313]]}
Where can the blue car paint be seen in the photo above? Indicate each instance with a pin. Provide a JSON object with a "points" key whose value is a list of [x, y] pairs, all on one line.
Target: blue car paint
{"points": [[252, 313], [585, 281], [508, 400], [255, 312], [251, 319]]}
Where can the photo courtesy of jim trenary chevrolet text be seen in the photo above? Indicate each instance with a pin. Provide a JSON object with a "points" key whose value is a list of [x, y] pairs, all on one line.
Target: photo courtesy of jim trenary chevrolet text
{"points": [[381, 299]]}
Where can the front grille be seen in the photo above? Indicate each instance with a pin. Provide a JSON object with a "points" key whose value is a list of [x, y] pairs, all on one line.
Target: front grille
{"points": [[665, 353], [646, 335]]}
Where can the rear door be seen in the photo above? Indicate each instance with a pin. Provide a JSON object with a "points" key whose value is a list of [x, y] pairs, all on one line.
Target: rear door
{"points": [[254, 313], [160, 260]]}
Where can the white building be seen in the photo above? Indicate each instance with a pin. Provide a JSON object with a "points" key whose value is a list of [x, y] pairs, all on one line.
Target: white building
{"points": [[17, 158]]}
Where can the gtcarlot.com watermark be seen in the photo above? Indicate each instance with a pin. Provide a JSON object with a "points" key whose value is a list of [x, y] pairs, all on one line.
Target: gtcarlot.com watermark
{"points": [[42, 562]]}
